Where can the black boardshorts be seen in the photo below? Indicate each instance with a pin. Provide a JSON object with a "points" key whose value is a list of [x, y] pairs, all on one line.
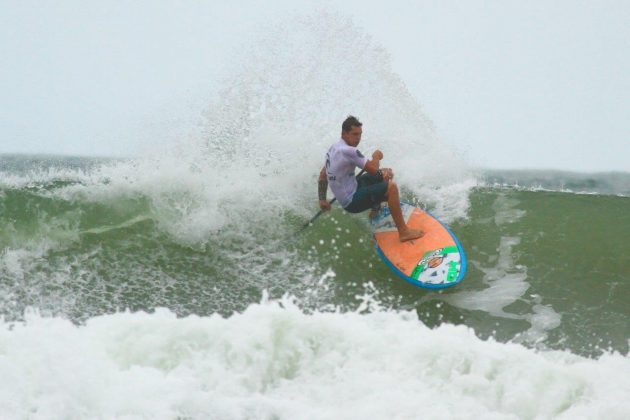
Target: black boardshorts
{"points": [[370, 193]]}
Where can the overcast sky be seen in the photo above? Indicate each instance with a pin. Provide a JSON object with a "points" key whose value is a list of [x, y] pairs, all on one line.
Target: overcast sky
{"points": [[542, 84]]}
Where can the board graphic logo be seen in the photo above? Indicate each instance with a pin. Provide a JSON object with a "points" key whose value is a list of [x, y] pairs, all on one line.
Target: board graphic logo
{"points": [[441, 265], [435, 262]]}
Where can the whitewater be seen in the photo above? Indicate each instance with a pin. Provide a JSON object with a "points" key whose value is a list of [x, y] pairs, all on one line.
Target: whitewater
{"points": [[275, 361]]}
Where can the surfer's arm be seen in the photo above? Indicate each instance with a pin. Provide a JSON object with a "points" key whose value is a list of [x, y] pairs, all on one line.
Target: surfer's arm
{"points": [[372, 166], [322, 188], [322, 185]]}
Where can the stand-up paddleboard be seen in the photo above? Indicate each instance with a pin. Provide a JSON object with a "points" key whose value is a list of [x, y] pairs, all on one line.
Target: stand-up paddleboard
{"points": [[435, 261]]}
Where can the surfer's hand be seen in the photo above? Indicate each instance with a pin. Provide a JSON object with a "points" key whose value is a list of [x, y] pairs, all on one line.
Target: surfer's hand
{"points": [[324, 205], [387, 174], [377, 155]]}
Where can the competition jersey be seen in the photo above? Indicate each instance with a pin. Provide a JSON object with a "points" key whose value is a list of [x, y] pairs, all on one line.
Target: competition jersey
{"points": [[341, 160]]}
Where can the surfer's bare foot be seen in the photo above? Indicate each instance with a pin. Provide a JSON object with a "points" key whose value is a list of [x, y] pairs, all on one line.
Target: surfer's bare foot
{"points": [[409, 234]]}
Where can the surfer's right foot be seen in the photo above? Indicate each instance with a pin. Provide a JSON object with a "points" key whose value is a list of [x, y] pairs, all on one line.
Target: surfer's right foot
{"points": [[409, 234]]}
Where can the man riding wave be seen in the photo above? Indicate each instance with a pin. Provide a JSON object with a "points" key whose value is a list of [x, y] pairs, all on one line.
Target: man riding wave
{"points": [[370, 189]]}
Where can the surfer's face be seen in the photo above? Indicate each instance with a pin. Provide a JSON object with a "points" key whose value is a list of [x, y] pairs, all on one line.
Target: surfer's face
{"points": [[352, 137]]}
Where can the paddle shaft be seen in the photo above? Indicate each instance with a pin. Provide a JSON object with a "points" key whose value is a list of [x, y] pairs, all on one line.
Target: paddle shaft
{"points": [[319, 213]]}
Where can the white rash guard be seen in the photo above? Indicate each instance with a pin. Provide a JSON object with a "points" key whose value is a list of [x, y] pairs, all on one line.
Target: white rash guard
{"points": [[341, 160]]}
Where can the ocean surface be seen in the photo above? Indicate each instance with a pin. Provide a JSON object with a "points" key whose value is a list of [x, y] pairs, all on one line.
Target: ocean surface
{"points": [[174, 286], [121, 296]]}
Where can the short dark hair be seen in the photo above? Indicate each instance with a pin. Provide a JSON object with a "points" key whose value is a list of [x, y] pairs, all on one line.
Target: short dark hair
{"points": [[350, 122]]}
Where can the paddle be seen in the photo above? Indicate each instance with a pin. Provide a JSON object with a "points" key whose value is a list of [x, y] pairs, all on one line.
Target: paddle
{"points": [[319, 213]]}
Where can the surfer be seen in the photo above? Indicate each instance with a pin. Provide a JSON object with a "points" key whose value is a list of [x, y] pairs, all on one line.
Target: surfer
{"points": [[370, 189]]}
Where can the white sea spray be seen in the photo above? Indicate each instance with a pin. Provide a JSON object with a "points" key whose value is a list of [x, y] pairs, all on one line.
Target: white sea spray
{"points": [[273, 360]]}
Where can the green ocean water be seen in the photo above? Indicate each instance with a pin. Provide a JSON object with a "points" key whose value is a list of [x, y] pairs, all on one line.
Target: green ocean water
{"points": [[549, 266]]}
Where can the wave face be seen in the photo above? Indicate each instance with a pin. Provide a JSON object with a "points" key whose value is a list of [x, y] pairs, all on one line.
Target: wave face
{"points": [[178, 279], [85, 239], [111, 268]]}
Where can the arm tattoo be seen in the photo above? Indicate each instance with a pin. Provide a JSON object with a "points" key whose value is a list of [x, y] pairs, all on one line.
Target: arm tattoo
{"points": [[322, 185]]}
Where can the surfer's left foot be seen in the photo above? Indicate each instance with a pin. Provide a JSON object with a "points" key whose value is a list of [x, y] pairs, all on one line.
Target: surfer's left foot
{"points": [[409, 234]]}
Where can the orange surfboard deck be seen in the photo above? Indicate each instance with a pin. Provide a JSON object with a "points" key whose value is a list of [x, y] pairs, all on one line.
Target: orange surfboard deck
{"points": [[436, 260]]}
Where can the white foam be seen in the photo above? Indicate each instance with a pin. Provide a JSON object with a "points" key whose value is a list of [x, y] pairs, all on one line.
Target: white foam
{"points": [[274, 361], [505, 211], [543, 319], [506, 284]]}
